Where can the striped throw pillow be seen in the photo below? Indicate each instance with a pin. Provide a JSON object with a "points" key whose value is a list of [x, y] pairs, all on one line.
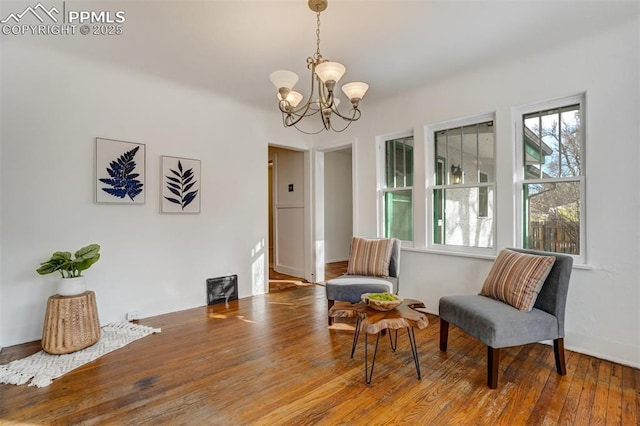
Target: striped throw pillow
{"points": [[516, 278], [370, 257]]}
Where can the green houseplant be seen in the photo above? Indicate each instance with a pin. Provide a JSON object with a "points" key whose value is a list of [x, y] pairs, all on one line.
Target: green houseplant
{"points": [[70, 268]]}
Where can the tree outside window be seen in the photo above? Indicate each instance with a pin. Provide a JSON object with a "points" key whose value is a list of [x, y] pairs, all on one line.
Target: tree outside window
{"points": [[552, 179]]}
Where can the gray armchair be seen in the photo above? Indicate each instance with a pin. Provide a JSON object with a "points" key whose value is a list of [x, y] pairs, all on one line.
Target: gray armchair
{"points": [[350, 287], [499, 325]]}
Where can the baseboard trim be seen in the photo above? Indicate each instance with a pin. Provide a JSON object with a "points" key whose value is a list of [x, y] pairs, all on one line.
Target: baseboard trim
{"points": [[336, 260], [289, 271]]}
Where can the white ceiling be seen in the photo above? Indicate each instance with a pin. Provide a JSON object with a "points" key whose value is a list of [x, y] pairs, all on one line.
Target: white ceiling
{"points": [[231, 47]]}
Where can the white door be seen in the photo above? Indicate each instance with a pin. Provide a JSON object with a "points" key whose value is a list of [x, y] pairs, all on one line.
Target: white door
{"points": [[288, 211]]}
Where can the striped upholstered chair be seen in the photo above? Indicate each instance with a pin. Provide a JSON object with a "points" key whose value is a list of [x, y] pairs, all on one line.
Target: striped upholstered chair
{"points": [[374, 267]]}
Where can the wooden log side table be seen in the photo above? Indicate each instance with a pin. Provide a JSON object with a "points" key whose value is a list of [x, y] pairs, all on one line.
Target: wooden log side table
{"points": [[71, 323], [371, 321]]}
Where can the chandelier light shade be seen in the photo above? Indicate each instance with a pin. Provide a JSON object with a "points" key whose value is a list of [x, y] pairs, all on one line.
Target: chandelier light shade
{"points": [[330, 71], [294, 98], [324, 77], [284, 78], [355, 90]]}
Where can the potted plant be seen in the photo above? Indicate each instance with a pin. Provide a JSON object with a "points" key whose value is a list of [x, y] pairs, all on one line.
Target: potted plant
{"points": [[70, 267]]}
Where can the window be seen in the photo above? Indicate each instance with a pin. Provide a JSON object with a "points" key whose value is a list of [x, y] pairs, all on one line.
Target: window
{"points": [[464, 188], [397, 191], [552, 173]]}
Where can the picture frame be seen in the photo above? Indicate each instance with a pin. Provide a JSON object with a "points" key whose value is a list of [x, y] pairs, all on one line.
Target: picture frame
{"points": [[180, 185], [120, 172]]}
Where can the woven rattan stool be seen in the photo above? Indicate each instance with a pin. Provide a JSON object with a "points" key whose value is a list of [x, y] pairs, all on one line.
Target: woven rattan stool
{"points": [[71, 323]]}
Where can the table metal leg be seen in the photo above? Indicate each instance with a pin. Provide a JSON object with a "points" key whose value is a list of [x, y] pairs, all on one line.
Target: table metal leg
{"points": [[356, 334], [393, 340], [368, 375], [414, 350]]}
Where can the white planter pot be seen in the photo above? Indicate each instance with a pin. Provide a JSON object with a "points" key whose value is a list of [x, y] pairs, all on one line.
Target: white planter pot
{"points": [[71, 286]]}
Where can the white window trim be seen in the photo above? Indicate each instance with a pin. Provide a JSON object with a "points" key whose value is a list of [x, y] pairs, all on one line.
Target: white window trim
{"points": [[429, 131], [381, 188], [517, 113]]}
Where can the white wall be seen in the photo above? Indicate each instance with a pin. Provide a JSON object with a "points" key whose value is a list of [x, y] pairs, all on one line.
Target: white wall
{"points": [[602, 314], [54, 106], [338, 200]]}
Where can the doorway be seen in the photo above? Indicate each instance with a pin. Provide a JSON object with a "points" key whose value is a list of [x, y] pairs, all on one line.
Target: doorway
{"points": [[338, 205], [334, 210], [286, 211]]}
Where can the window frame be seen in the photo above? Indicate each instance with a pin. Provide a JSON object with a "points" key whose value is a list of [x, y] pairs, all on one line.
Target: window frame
{"points": [[483, 196], [430, 184], [518, 114], [382, 188]]}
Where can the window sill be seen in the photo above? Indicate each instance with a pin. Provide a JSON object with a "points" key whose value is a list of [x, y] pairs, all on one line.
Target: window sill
{"points": [[582, 266], [585, 266], [450, 253]]}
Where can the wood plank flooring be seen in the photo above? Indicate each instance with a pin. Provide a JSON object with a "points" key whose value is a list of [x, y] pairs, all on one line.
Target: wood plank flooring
{"points": [[270, 360], [335, 269]]}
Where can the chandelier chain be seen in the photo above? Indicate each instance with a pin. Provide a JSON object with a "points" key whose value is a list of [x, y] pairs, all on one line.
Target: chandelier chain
{"points": [[317, 55]]}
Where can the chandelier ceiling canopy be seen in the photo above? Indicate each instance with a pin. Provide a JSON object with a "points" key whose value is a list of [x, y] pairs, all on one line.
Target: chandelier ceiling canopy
{"points": [[324, 77]]}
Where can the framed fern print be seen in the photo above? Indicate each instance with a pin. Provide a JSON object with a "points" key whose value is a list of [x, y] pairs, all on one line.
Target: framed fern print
{"points": [[120, 172], [180, 185]]}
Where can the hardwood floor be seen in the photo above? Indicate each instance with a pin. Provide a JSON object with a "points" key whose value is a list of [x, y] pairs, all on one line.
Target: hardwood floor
{"points": [[335, 269], [278, 281], [270, 360]]}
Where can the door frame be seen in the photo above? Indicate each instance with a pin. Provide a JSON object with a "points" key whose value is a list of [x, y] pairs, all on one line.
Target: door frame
{"points": [[306, 269], [318, 203]]}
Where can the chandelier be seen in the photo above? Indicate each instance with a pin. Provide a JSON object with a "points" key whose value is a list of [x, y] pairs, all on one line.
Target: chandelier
{"points": [[324, 77]]}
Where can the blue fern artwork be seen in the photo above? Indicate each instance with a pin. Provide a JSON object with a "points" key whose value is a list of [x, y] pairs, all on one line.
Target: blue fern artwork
{"points": [[181, 184], [122, 180]]}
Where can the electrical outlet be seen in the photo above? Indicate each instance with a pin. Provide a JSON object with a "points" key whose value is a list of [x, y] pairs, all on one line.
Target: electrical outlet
{"points": [[133, 316]]}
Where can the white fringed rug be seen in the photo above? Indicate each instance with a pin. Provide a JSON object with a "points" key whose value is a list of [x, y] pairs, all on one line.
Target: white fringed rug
{"points": [[41, 368]]}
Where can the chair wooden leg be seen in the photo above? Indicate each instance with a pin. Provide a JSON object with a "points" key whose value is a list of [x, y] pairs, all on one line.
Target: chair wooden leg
{"points": [[330, 303], [493, 361], [558, 351], [444, 334]]}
